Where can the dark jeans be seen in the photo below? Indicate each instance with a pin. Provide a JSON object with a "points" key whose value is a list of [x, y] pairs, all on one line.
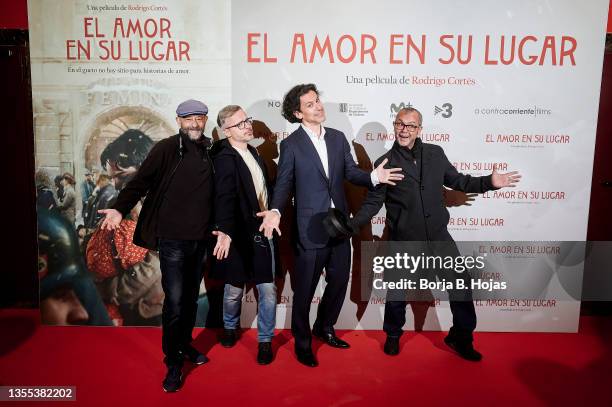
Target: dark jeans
{"points": [[182, 267]]}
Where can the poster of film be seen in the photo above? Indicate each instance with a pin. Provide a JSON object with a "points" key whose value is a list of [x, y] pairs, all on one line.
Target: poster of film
{"points": [[516, 86], [106, 80]]}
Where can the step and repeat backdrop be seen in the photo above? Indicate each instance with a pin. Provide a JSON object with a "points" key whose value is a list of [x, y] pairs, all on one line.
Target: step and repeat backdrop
{"points": [[512, 85]]}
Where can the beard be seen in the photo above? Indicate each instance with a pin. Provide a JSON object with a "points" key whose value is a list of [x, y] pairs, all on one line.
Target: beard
{"points": [[193, 133]]}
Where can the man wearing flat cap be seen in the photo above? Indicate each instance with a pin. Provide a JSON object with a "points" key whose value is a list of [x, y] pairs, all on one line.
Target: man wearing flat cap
{"points": [[177, 180]]}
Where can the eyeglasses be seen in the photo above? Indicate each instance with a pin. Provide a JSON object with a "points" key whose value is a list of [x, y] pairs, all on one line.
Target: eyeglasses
{"points": [[241, 125], [401, 126]]}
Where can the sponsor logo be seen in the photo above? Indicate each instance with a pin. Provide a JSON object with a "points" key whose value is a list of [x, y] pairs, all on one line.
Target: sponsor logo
{"points": [[393, 109], [354, 110], [513, 111], [446, 110]]}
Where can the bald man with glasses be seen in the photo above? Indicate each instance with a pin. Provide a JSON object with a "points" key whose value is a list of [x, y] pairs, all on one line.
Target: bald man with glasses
{"points": [[416, 212]]}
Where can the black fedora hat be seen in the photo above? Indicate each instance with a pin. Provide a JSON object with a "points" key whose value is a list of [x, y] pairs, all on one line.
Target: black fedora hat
{"points": [[337, 224]]}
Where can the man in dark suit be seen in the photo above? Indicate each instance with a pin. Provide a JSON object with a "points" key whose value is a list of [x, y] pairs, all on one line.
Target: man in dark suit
{"points": [[314, 162], [416, 212], [244, 254]]}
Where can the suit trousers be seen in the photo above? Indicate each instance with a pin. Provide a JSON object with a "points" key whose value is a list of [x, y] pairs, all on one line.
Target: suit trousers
{"points": [[309, 263], [461, 306]]}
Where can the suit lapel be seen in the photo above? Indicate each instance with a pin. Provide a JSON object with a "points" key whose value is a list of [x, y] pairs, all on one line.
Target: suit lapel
{"points": [[330, 149]]}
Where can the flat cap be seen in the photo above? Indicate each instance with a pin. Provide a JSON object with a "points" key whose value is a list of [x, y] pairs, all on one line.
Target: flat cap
{"points": [[191, 107]]}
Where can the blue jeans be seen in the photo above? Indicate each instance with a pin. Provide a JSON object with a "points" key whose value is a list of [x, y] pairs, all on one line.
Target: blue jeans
{"points": [[266, 309], [266, 306]]}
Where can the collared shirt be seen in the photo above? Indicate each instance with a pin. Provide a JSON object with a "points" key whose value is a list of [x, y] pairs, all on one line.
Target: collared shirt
{"points": [[321, 147], [257, 175]]}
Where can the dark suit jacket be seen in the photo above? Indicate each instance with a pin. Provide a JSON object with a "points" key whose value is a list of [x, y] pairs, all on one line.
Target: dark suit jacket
{"points": [[236, 207], [415, 206], [300, 171]]}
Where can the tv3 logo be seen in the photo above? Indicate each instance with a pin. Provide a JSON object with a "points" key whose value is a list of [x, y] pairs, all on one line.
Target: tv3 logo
{"points": [[446, 110]]}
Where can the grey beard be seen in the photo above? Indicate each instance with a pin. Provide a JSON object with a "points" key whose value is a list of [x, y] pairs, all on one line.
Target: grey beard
{"points": [[189, 133]]}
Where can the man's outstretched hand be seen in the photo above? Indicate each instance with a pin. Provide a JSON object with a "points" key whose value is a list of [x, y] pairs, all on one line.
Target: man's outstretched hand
{"points": [[270, 223], [388, 175], [221, 249], [509, 179], [112, 218]]}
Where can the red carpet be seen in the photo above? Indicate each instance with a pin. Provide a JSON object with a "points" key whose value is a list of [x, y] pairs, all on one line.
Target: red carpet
{"points": [[122, 367]]}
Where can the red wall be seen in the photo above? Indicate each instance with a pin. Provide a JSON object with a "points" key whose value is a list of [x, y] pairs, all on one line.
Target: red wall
{"points": [[14, 14]]}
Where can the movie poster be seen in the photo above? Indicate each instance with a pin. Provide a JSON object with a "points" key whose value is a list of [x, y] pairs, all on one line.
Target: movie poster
{"points": [[511, 86], [515, 86], [106, 80]]}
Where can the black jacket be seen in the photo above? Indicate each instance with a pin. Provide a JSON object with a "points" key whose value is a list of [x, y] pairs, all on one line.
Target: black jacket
{"points": [[152, 179], [415, 206], [235, 211]]}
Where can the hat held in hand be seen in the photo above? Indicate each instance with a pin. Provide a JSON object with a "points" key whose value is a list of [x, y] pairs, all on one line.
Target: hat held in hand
{"points": [[338, 225]]}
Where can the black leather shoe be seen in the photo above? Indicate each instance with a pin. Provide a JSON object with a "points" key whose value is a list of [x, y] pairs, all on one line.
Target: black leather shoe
{"points": [[392, 346], [463, 349], [331, 339], [229, 338], [194, 356], [173, 380], [264, 353], [306, 357]]}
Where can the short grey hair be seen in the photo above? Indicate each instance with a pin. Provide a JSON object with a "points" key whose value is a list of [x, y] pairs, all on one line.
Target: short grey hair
{"points": [[411, 110], [225, 113]]}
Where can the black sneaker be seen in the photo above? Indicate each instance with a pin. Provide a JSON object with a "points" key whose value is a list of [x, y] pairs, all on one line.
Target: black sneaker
{"points": [[264, 353], [173, 380], [229, 337], [464, 349], [392, 346], [194, 356]]}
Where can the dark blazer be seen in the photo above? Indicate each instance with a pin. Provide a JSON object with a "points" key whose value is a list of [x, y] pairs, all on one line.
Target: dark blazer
{"points": [[300, 171], [236, 207], [415, 206]]}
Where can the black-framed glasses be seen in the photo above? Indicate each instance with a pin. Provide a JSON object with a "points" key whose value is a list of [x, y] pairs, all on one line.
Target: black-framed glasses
{"points": [[241, 125], [401, 126]]}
